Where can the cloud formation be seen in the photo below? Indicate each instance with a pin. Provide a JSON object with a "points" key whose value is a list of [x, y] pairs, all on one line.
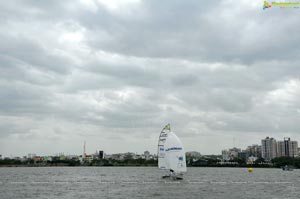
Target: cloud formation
{"points": [[115, 73]]}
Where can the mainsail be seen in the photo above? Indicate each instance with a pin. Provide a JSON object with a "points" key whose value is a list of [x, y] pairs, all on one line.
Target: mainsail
{"points": [[171, 153], [161, 154]]}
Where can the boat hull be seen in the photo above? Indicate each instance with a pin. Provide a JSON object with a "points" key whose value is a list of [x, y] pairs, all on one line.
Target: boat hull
{"points": [[173, 176]]}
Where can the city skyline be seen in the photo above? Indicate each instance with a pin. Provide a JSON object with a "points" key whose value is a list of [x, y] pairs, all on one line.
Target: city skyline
{"points": [[259, 144], [114, 73]]}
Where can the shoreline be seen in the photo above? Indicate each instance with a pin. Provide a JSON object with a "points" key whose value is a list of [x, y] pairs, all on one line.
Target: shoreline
{"points": [[41, 166]]}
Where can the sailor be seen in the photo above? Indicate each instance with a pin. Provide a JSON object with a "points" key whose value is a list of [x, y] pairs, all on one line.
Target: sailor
{"points": [[172, 172]]}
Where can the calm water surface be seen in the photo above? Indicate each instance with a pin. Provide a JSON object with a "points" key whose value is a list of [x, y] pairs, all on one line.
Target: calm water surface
{"points": [[138, 182]]}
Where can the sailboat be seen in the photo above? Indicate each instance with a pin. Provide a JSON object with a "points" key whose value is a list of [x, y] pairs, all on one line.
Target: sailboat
{"points": [[171, 155]]}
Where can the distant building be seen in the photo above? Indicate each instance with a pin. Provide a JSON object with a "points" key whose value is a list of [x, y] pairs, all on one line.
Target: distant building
{"points": [[193, 154], [107, 156], [119, 156], [31, 155], [88, 158], [225, 155], [101, 155], [269, 148], [37, 159], [287, 148], [254, 151], [230, 154], [129, 155], [293, 149], [243, 154]]}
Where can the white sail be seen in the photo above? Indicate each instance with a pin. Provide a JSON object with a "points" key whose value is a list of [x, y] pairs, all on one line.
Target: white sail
{"points": [[171, 153], [175, 155]]}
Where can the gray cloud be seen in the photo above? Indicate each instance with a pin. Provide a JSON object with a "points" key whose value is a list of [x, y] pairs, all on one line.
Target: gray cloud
{"points": [[215, 31], [114, 76]]}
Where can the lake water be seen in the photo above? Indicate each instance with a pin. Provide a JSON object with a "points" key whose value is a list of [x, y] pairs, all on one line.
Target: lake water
{"points": [[139, 182]]}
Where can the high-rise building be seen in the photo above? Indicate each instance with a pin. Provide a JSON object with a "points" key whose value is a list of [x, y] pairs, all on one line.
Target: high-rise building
{"points": [[254, 150], [287, 148], [269, 148], [225, 155], [294, 149], [280, 149], [101, 155]]}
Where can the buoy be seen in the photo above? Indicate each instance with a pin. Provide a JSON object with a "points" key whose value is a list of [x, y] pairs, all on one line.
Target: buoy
{"points": [[250, 170]]}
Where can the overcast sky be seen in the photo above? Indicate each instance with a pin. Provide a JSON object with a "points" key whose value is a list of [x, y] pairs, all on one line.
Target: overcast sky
{"points": [[114, 73]]}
